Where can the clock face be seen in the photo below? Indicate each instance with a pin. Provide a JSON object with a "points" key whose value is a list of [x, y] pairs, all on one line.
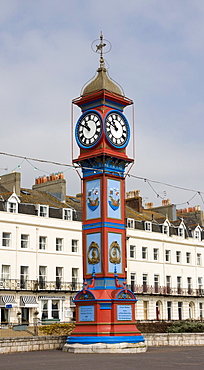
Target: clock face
{"points": [[88, 129], [117, 129]]}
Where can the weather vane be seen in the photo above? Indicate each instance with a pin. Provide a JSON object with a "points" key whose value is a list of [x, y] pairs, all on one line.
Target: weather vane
{"points": [[101, 46]]}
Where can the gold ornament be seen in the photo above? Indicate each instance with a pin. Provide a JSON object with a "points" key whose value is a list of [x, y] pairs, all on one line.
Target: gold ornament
{"points": [[115, 253], [93, 253]]}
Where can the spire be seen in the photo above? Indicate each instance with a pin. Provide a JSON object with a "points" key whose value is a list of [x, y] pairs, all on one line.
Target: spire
{"points": [[102, 81]]}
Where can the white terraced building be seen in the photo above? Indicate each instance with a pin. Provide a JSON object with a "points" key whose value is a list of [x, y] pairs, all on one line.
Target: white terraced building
{"points": [[40, 251], [165, 261], [41, 254]]}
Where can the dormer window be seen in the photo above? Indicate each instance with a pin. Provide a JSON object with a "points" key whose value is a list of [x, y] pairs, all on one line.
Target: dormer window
{"points": [[12, 207], [165, 227], [130, 223], [12, 203], [181, 231], [197, 233], [148, 226], [43, 211], [67, 214]]}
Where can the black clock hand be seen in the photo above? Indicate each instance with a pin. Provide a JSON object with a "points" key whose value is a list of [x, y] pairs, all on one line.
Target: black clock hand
{"points": [[85, 126], [114, 125]]}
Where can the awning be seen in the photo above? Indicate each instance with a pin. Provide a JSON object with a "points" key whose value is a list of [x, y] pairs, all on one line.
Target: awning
{"points": [[28, 301], [7, 301]]}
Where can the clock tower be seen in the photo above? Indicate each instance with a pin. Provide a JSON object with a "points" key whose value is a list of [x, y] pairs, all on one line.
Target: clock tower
{"points": [[105, 308]]}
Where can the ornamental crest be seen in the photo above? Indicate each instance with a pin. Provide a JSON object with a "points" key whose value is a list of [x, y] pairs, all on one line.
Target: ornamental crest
{"points": [[85, 296], [93, 253], [93, 199], [114, 201], [115, 253]]}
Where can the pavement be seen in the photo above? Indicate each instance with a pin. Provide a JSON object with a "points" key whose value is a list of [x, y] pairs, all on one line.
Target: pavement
{"points": [[164, 358], [10, 333]]}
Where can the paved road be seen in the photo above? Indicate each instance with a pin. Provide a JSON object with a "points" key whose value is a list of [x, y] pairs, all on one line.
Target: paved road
{"points": [[160, 358]]}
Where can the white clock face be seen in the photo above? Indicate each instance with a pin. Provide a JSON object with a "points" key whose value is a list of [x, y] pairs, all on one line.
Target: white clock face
{"points": [[88, 129], [117, 129]]}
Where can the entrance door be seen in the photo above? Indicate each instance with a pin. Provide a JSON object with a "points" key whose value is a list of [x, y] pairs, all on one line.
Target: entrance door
{"points": [[4, 316], [25, 315], [157, 311]]}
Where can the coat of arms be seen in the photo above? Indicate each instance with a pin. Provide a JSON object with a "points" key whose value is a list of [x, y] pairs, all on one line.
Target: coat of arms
{"points": [[93, 199], [114, 201]]}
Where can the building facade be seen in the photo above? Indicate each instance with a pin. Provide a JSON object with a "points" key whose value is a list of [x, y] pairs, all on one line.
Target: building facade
{"points": [[165, 264], [40, 252], [41, 255]]}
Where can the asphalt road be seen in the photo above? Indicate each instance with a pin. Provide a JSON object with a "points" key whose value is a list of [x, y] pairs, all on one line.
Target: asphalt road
{"points": [[155, 358]]}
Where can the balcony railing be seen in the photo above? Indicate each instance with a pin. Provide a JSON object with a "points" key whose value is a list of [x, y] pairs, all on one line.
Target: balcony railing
{"points": [[41, 285], [165, 290]]}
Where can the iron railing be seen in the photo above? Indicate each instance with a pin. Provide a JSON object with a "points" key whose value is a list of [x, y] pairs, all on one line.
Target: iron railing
{"points": [[35, 285], [165, 290]]}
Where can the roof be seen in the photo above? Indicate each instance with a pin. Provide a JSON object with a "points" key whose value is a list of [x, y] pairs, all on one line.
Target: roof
{"points": [[102, 82]]}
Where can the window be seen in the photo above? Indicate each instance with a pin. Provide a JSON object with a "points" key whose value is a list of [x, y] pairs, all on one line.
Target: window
{"points": [[67, 214], [75, 278], [59, 277], [12, 207], [23, 276], [24, 241], [201, 310], [168, 284], [179, 285], [44, 309], [181, 232], [145, 307], [188, 257], [59, 244], [200, 285], [167, 255], [197, 234], [144, 282], [156, 254], [43, 211], [144, 253], [55, 309], [132, 251], [180, 310], [42, 276], [42, 242], [6, 239], [166, 229], [148, 226], [133, 281], [178, 256], [189, 285], [75, 246], [5, 273], [12, 204], [130, 223], [168, 310], [156, 283], [199, 262]]}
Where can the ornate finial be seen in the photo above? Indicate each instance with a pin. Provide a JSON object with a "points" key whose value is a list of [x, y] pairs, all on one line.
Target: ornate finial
{"points": [[101, 47]]}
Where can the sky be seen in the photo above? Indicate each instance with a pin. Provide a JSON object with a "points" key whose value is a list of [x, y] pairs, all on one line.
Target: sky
{"points": [[157, 57]]}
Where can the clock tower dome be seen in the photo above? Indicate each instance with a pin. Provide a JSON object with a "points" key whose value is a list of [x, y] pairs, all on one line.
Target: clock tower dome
{"points": [[105, 308]]}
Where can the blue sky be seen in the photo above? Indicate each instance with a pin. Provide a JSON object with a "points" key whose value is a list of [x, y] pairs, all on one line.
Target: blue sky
{"points": [[157, 57]]}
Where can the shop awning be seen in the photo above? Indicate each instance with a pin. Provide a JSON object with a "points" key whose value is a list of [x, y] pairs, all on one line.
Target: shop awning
{"points": [[28, 301], [7, 301]]}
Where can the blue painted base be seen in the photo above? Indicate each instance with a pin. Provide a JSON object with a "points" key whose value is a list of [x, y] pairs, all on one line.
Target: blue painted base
{"points": [[110, 339]]}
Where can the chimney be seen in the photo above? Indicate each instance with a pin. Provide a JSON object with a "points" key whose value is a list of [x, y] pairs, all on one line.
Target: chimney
{"points": [[166, 202], [134, 200], [55, 184], [149, 205], [12, 181]]}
